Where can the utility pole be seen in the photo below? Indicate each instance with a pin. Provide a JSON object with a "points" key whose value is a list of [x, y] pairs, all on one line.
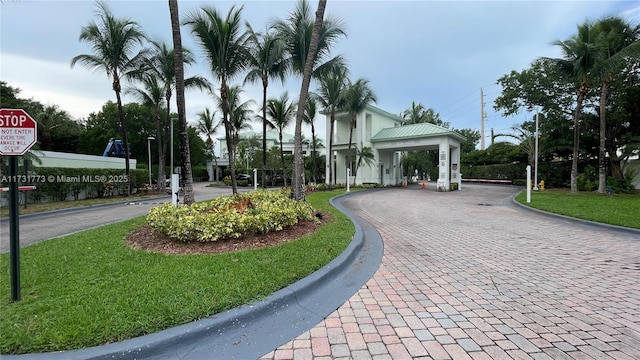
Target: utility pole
{"points": [[482, 116]]}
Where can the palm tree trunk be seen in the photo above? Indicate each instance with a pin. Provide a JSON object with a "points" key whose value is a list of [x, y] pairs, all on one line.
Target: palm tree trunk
{"points": [[602, 169], [125, 140], [228, 130], [353, 121], [298, 163], [284, 171], [265, 83], [315, 157], [185, 154], [576, 139]]}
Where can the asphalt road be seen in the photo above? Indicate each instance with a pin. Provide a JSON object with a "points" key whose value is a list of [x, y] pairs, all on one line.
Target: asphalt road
{"points": [[49, 225]]}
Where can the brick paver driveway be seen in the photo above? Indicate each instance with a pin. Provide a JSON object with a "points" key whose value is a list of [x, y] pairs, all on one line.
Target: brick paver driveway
{"points": [[465, 276]]}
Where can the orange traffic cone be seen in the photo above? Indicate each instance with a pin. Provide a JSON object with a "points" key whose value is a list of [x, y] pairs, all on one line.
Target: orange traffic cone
{"points": [[424, 185]]}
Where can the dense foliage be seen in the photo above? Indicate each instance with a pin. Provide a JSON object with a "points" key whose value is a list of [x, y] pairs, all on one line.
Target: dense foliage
{"points": [[229, 216]]}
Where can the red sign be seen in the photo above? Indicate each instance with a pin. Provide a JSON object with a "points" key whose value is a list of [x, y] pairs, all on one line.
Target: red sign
{"points": [[18, 132]]}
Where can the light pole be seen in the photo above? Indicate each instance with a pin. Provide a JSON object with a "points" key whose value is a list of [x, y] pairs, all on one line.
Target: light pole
{"points": [[172, 144], [149, 148], [535, 176]]}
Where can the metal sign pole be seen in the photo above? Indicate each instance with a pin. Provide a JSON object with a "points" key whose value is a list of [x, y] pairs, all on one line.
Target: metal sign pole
{"points": [[14, 236]]}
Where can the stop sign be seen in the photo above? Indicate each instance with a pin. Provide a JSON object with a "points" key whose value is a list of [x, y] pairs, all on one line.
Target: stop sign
{"points": [[18, 132]]}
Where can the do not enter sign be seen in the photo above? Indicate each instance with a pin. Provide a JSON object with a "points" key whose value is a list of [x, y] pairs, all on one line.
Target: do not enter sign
{"points": [[18, 132]]}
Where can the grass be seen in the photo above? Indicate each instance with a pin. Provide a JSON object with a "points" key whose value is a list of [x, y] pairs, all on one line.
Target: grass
{"points": [[89, 288], [617, 209]]}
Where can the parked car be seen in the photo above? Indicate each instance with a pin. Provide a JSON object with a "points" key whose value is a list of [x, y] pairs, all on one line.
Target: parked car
{"points": [[245, 177]]}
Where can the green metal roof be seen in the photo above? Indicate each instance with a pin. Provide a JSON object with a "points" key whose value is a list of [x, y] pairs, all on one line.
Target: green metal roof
{"points": [[413, 131]]}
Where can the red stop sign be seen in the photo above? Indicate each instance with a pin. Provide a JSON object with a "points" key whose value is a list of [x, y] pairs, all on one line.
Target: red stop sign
{"points": [[18, 132]]}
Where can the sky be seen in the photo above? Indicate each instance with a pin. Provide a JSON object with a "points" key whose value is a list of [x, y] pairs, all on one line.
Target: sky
{"points": [[438, 53]]}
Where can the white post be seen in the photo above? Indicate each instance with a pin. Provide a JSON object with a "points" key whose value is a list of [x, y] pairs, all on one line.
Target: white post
{"points": [[535, 178], [348, 173], [255, 179], [460, 182], [528, 183], [175, 182]]}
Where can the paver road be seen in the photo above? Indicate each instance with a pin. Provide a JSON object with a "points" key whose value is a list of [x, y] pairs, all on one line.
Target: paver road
{"points": [[464, 276]]}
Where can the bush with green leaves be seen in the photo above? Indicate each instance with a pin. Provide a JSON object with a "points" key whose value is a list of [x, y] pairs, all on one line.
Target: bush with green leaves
{"points": [[227, 217]]}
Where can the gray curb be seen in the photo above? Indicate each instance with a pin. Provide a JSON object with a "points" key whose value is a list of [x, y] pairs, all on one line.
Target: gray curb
{"points": [[514, 203], [250, 331]]}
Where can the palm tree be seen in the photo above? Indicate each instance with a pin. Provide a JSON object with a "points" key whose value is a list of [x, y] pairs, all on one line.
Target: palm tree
{"points": [[50, 118], [309, 118], [309, 43], [227, 54], [621, 41], [268, 59], [113, 41], [185, 152], [151, 96], [281, 112], [364, 156], [357, 96], [330, 94], [239, 117], [208, 126], [581, 56], [162, 65], [415, 114]]}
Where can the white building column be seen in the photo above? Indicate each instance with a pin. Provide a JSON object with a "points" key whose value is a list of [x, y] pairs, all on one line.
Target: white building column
{"points": [[443, 165], [328, 154], [455, 167]]}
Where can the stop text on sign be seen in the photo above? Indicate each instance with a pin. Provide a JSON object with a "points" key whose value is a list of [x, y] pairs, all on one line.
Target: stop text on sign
{"points": [[14, 120]]}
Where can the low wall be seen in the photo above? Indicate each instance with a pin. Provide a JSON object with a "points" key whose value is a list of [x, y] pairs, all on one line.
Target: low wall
{"points": [[70, 160]]}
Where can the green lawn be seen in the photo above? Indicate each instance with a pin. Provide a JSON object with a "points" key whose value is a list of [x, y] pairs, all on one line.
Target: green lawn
{"points": [[89, 288], [617, 209]]}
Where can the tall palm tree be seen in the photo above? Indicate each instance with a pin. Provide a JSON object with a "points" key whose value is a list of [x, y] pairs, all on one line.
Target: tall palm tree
{"points": [[268, 59], [330, 94], [582, 54], [309, 118], [227, 54], [162, 65], [185, 152], [113, 41], [151, 96], [208, 126], [364, 156], [357, 96], [281, 112], [309, 43], [621, 42], [239, 116]]}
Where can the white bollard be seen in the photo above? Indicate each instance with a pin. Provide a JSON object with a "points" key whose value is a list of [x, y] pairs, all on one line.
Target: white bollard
{"points": [[255, 179]]}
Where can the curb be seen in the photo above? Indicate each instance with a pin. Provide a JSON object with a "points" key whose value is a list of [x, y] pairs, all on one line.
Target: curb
{"points": [[630, 231], [247, 332]]}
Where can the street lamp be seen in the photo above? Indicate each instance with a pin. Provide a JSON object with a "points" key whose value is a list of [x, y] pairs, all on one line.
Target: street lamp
{"points": [[149, 148], [535, 178]]}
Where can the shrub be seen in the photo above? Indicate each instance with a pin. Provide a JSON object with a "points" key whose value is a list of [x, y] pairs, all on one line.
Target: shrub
{"points": [[588, 179], [229, 216]]}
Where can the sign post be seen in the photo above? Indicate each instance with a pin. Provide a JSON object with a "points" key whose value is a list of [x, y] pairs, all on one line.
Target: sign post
{"points": [[18, 133]]}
